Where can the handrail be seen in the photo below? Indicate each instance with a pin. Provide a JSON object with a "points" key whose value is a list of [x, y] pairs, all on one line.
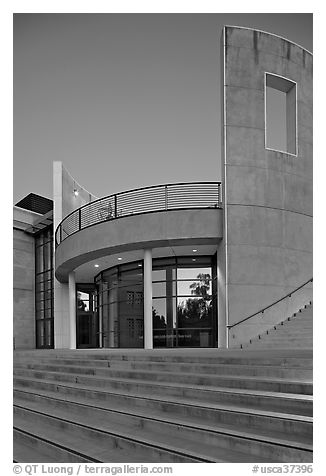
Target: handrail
{"points": [[176, 196], [270, 305]]}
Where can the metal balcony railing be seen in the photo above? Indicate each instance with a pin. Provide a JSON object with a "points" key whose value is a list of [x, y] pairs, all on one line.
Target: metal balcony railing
{"points": [[178, 196]]}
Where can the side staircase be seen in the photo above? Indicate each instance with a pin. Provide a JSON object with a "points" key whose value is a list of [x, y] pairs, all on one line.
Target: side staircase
{"points": [[294, 332], [161, 406]]}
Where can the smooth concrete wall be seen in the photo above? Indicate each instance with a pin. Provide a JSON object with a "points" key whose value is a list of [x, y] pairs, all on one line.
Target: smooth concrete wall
{"points": [[267, 250], [23, 281], [65, 201], [150, 230]]}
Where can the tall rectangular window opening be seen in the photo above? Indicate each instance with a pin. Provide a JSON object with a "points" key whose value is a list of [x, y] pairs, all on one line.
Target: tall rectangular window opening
{"points": [[280, 114]]}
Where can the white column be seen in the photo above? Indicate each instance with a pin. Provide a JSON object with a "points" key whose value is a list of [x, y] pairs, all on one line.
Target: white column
{"points": [[72, 310], [148, 320]]}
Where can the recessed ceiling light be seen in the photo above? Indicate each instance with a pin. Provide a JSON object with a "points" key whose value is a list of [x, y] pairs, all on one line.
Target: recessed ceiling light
{"points": [[139, 264], [194, 251], [194, 259], [76, 193], [96, 265], [119, 259]]}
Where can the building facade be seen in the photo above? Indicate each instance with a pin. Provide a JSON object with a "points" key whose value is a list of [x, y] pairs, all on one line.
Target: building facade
{"points": [[180, 265]]}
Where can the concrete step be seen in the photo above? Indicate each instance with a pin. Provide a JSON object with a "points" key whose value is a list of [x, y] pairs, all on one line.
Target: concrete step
{"points": [[185, 367], [176, 405], [223, 416], [202, 444], [294, 332], [163, 395], [95, 441], [108, 375], [31, 449], [291, 345], [275, 340], [282, 358], [295, 326]]}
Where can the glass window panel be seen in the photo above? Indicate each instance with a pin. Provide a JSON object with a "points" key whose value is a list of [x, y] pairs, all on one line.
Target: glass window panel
{"points": [[39, 260], [159, 313], [47, 256], [109, 272], [159, 289], [48, 313], [159, 275], [164, 312], [103, 287], [39, 313], [194, 312], [39, 287], [130, 280], [82, 305], [83, 295], [201, 288], [110, 325], [39, 305], [194, 338], [47, 304], [139, 298], [48, 286], [159, 338], [40, 333], [112, 281], [47, 294], [48, 333], [128, 293], [193, 273]]}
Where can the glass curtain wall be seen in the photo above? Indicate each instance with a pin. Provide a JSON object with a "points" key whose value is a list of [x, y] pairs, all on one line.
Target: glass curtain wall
{"points": [[120, 306], [44, 289], [184, 302]]}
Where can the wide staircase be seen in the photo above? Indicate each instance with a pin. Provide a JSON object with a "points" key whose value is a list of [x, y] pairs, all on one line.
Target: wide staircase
{"points": [[172, 405], [295, 332]]}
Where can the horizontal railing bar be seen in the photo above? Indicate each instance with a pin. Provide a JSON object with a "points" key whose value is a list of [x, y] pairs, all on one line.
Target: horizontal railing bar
{"points": [[144, 188], [270, 305], [140, 200]]}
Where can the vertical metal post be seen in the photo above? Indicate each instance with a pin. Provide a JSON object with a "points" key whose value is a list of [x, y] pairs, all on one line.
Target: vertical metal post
{"points": [[79, 219], [166, 197], [115, 206]]}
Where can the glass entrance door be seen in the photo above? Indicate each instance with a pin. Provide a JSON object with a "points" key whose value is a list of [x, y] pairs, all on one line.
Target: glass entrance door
{"points": [[86, 317]]}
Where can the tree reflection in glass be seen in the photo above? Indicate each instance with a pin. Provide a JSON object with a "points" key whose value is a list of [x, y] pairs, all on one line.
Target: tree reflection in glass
{"points": [[196, 311]]}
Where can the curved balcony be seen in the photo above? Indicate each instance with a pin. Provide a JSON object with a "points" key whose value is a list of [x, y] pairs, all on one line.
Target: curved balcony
{"points": [[179, 196]]}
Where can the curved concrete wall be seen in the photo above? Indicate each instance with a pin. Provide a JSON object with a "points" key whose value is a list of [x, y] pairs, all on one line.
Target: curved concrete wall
{"points": [[267, 248], [151, 230]]}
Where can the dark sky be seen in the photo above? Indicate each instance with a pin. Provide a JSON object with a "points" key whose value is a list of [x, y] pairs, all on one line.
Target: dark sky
{"points": [[124, 100]]}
